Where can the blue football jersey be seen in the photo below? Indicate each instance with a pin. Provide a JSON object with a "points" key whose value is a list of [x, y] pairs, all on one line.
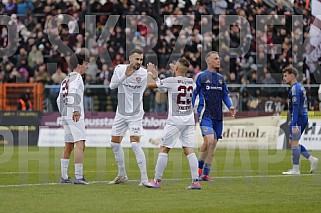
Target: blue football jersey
{"points": [[212, 90], [297, 103]]}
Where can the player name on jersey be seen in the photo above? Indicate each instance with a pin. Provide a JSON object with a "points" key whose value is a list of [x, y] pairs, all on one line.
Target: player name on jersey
{"points": [[184, 109]]}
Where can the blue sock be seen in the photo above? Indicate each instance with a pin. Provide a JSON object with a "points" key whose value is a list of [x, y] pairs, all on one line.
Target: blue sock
{"points": [[296, 155], [207, 169], [200, 164], [305, 152]]}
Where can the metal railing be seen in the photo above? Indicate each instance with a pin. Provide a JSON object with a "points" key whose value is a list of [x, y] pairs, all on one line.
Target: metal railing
{"points": [[246, 97]]}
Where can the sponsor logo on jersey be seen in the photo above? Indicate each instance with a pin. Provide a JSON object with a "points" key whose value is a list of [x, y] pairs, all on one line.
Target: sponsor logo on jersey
{"points": [[207, 81], [215, 88], [132, 86]]}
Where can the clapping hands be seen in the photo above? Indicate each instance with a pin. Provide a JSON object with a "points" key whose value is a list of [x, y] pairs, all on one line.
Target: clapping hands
{"points": [[152, 68]]}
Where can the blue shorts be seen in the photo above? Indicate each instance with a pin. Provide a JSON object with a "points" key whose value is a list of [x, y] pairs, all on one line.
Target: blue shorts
{"points": [[302, 123], [210, 126]]}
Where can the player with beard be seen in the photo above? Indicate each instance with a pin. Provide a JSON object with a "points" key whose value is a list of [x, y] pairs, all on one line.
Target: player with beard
{"points": [[131, 81]]}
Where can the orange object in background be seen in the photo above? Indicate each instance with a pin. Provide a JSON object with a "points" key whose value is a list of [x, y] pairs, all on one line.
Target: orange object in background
{"points": [[11, 92]]}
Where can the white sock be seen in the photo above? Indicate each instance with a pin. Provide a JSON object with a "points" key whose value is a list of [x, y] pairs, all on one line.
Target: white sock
{"points": [[161, 165], [296, 167], [193, 165], [64, 163], [119, 157], [141, 160], [311, 158], [79, 170]]}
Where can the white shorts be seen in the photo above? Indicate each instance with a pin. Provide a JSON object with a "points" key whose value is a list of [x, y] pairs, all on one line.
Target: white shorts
{"points": [[121, 125], [74, 131], [183, 133]]}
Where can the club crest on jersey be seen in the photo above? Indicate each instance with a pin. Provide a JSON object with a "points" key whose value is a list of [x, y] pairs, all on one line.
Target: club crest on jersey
{"points": [[220, 81], [138, 79], [294, 99]]}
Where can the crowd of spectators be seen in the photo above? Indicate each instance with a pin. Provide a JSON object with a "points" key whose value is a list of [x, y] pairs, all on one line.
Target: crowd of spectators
{"points": [[46, 42]]}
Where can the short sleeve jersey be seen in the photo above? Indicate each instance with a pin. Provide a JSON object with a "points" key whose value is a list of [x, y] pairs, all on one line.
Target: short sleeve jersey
{"points": [[71, 96], [180, 90]]}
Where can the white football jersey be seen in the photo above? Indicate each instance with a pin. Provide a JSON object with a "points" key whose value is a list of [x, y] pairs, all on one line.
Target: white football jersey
{"points": [[130, 92], [180, 90], [71, 96]]}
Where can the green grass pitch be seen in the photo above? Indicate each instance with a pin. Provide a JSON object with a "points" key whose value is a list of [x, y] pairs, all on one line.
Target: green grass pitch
{"points": [[244, 181]]}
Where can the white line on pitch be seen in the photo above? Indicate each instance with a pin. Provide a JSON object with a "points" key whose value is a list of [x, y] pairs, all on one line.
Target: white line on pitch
{"points": [[170, 179], [115, 171], [53, 172]]}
